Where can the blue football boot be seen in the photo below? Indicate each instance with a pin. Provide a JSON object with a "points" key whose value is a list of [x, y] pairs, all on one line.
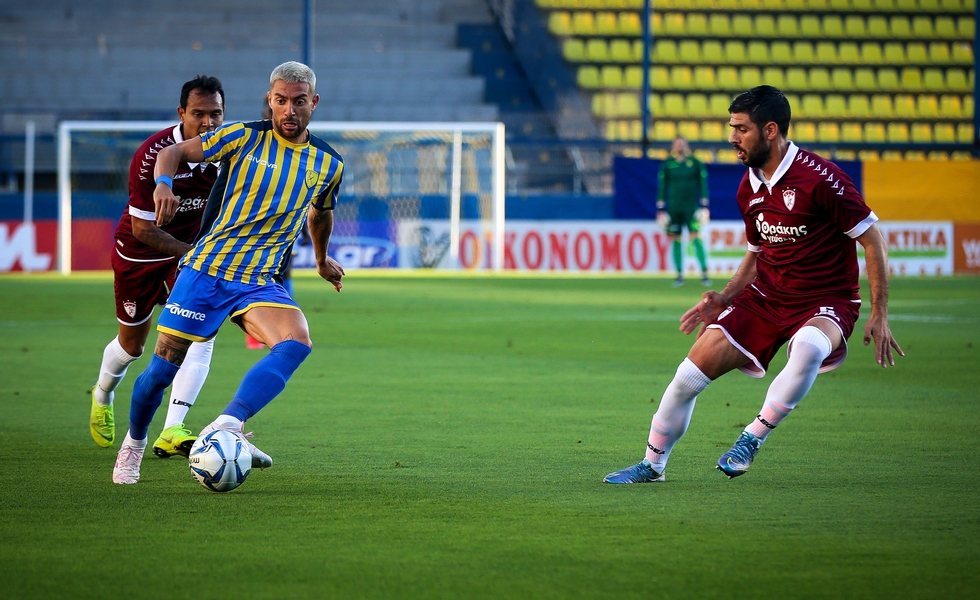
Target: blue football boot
{"points": [[736, 461], [641, 472]]}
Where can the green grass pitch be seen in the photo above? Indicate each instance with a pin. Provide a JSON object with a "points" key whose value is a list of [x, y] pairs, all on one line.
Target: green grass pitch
{"points": [[447, 439]]}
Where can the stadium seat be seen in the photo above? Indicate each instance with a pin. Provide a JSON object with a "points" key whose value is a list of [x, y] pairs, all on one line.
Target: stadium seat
{"points": [[881, 106], [690, 130], [621, 51], [674, 24], [904, 106], [836, 106], [858, 106], [697, 104], [588, 77], [689, 52], [660, 77], [719, 25], [922, 27], [874, 133], [848, 54], [952, 6], [916, 53], [851, 133], [935, 155], [664, 131], [742, 26], [765, 26], [628, 105], [705, 78], [726, 156], [697, 25], [820, 79], [950, 106], [968, 107], [603, 106], [633, 77], [906, 6], [803, 53], [945, 28], [583, 23], [573, 49], [965, 28], [704, 155], [655, 103], [674, 106], [921, 133], [811, 106], [833, 27], [817, 5], [810, 27], [712, 53], [630, 24], [826, 53], [734, 52], [957, 81], [865, 80], [606, 23], [804, 132], [718, 105], [560, 23], [842, 79], [780, 51], [787, 26], [900, 27], [828, 132], [796, 79], [611, 77], [596, 50], [888, 79], [665, 52], [927, 106], [885, 5], [868, 155], [878, 27], [871, 53], [895, 53], [855, 27], [681, 78], [897, 133], [795, 5], [933, 80], [749, 77], [929, 6], [962, 53], [964, 133], [862, 5], [914, 155], [912, 79], [713, 131], [939, 53], [944, 133], [728, 79], [774, 76], [758, 52]]}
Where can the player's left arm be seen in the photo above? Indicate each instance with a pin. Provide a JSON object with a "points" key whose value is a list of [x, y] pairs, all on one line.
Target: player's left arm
{"points": [[320, 221], [168, 160], [876, 260], [150, 234]]}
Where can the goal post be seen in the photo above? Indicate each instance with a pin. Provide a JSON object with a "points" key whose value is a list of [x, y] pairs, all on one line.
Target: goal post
{"points": [[409, 189]]}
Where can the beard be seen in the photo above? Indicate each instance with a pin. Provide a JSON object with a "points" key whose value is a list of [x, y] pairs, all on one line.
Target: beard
{"points": [[759, 155]]}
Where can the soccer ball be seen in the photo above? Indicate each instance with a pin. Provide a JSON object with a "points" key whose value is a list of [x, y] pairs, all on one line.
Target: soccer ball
{"points": [[220, 460]]}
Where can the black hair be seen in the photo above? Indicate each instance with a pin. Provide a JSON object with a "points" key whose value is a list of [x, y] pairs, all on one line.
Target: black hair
{"points": [[764, 104], [205, 85]]}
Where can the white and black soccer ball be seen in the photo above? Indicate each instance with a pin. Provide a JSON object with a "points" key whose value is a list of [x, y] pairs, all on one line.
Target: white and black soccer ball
{"points": [[220, 460]]}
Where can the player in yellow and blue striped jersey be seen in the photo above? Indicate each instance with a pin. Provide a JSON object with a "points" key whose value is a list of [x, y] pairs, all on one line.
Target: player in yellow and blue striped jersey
{"points": [[274, 174]]}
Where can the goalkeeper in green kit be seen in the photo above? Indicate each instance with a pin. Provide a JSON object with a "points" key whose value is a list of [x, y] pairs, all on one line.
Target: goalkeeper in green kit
{"points": [[682, 201]]}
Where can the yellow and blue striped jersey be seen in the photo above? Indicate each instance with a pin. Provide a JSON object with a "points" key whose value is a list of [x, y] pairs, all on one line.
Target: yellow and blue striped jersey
{"points": [[262, 195]]}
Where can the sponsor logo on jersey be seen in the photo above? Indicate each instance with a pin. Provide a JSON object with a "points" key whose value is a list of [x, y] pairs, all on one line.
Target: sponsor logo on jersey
{"points": [[176, 310], [725, 313], [189, 204], [789, 199], [130, 308], [758, 200], [261, 161], [184, 175], [778, 233]]}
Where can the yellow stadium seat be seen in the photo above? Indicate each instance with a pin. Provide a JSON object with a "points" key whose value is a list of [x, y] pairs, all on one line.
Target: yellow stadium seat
{"points": [[628, 105], [726, 156], [774, 76], [601, 107], [630, 24], [950, 106], [665, 52], [612, 131], [881, 106], [734, 52], [965, 27], [929, 6], [871, 53], [697, 106], [914, 155], [912, 79], [916, 53], [841, 79], [964, 133], [793, 99], [895, 53], [711, 52], [664, 131], [854, 27], [657, 24], [835, 106], [863, 5], [851, 133], [583, 23], [858, 106], [742, 26], [689, 130], [900, 27], [885, 5], [897, 133], [573, 49], [874, 133], [811, 106], [939, 53], [804, 132], [704, 78], [781, 51], [957, 80], [606, 23], [888, 79], [906, 6], [611, 77], [758, 52], [697, 25], [718, 105], [635, 133], [681, 78], [968, 107], [833, 27], [689, 52], [705, 156], [674, 106], [787, 26], [796, 79], [937, 155], [713, 131], [810, 26], [944, 133], [826, 53], [945, 28], [878, 27], [962, 53], [633, 77], [560, 23], [803, 53], [596, 50], [749, 77], [637, 50], [847, 53], [817, 5], [933, 80], [828, 132], [953, 6], [765, 26], [719, 25], [655, 103], [588, 77], [868, 155], [927, 106], [728, 78], [820, 79], [904, 106], [922, 27], [621, 51], [865, 80], [675, 24]]}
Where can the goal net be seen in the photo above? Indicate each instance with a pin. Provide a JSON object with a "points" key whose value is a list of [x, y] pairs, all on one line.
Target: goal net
{"points": [[415, 195]]}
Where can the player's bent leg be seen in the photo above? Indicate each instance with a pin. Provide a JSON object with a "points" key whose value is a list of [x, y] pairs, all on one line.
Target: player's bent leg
{"points": [[176, 438], [127, 467], [115, 362]]}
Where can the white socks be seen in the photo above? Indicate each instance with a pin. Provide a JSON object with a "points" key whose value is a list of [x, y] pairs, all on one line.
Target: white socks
{"points": [[674, 414], [229, 422], [810, 347], [115, 362], [189, 381]]}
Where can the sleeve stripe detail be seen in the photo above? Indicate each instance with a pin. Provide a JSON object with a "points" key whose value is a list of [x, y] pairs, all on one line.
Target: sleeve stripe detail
{"points": [[859, 229], [142, 214]]}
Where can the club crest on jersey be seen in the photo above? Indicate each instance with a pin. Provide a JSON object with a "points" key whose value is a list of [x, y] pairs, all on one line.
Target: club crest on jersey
{"points": [[130, 308], [789, 199], [311, 178]]}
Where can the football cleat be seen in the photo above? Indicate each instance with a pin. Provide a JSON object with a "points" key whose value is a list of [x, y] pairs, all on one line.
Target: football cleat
{"points": [[736, 461], [679, 281], [706, 281], [641, 472], [102, 423], [127, 469], [174, 440], [260, 460]]}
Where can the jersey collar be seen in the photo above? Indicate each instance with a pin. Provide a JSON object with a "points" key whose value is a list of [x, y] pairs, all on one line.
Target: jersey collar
{"points": [[178, 137], [755, 175]]}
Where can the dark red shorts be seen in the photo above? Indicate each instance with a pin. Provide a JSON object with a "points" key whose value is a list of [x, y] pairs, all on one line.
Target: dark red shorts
{"points": [[759, 326], [139, 286]]}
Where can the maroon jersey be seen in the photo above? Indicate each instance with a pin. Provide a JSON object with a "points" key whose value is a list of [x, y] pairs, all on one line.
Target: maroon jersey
{"points": [[802, 224], [192, 185]]}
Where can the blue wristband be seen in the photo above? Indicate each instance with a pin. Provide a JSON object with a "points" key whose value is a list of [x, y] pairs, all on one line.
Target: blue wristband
{"points": [[164, 179]]}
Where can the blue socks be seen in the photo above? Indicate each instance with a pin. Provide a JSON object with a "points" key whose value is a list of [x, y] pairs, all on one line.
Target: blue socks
{"points": [[148, 394], [266, 379]]}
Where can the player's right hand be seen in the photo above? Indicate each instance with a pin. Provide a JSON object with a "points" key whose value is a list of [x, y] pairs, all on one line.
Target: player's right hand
{"points": [[165, 204], [707, 310], [331, 270]]}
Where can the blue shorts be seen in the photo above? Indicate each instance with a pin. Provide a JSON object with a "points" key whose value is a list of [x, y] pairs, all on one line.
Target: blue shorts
{"points": [[199, 304]]}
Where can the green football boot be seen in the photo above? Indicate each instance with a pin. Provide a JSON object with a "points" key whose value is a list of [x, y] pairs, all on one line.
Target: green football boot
{"points": [[174, 440], [102, 423]]}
